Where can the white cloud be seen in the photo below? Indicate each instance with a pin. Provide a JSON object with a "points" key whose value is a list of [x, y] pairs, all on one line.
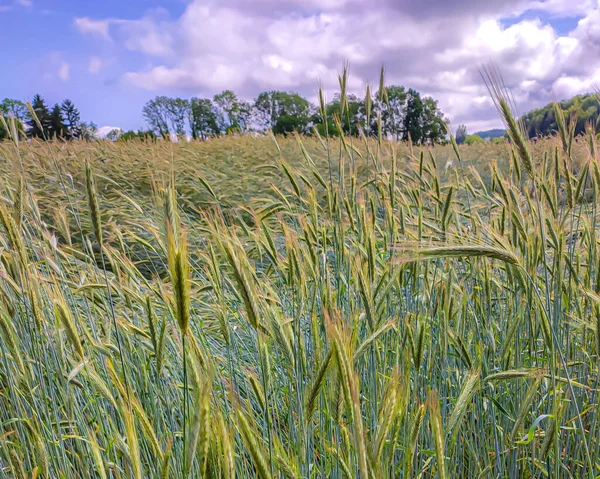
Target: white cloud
{"points": [[563, 8], [568, 86], [99, 28], [64, 71], [7, 7], [150, 35], [105, 130], [95, 65], [435, 46]]}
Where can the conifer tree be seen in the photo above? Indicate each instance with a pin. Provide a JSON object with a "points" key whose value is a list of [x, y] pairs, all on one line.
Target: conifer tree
{"points": [[72, 120], [40, 127]]}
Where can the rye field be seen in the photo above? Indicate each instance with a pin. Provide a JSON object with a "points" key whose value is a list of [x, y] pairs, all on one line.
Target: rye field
{"points": [[300, 308]]}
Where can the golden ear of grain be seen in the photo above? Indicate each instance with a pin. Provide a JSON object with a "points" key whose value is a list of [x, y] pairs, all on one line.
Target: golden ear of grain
{"points": [[12, 232], [249, 436], [96, 454], [243, 276], [315, 388], [93, 206], [137, 408], [17, 465], [513, 374], [33, 115], [11, 340], [387, 416], [160, 353], [179, 271], [469, 388], [19, 200], [200, 429], [323, 110], [227, 448], [554, 425], [39, 448], [351, 390], [165, 468], [99, 385], [525, 405], [151, 323], [63, 314], [559, 115], [364, 346], [132, 439], [415, 427], [257, 388], [592, 142], [515, 129], [458, 251], [435, 421], [171, 217]]}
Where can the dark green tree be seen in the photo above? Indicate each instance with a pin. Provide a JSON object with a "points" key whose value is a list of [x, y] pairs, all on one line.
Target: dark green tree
{"points": [[167, 116], [9, 126], [178, 112], [57, 123], [72, 120], [14, 112], [204, 119], [434, 126], [272, 105], [138, 135], [40, 125], [393, 110], [15, 108], [288, 123], [156, 113], [351, 115], [413, 119], [233, 114]]}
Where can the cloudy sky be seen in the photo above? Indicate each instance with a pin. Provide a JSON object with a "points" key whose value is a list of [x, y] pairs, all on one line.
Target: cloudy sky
{"points": [[111, 56]]}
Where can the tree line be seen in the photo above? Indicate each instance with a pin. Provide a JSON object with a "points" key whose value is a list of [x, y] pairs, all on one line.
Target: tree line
{"points": [[400, 113], [494, 136], [39, 121], [582, 109]]}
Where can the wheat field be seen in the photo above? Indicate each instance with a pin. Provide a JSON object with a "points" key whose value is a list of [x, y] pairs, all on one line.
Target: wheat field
{"points": [[300, 308]]}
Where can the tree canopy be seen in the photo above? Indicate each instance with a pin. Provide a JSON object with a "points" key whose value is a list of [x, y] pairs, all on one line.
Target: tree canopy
{"points": [[404, 114], [583, 108], [473, 140], [401, 113], [461, 134], [40, 124]]}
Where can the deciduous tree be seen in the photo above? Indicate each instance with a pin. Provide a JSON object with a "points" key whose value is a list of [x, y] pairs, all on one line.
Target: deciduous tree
{"points": [[204, 120], [461, 134]]}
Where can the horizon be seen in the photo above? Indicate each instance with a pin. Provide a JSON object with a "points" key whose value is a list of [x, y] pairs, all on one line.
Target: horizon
{"points": [[110, 59]]}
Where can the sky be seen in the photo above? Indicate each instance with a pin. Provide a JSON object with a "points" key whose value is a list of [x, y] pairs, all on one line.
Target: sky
{"points": [[110, 57]]}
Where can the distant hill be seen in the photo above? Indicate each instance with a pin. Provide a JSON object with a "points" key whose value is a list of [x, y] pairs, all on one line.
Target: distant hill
{"points": [[489, 134], [542, 122]]}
